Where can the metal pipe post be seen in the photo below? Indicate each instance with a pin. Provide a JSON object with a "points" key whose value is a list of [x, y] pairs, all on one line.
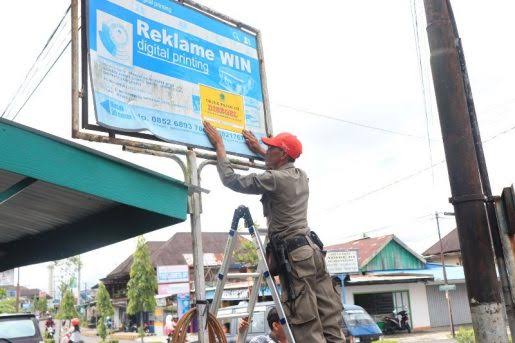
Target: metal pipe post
{"points": [[75, 65], [449, 307], [196, 233], [465, 180]]}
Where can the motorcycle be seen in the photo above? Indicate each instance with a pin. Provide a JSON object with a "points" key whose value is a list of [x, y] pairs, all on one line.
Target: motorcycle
{"points": [[50, 331], [397, 322]]}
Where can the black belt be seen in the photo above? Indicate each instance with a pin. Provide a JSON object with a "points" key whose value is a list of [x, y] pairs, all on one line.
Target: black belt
{"points": [[296, 242]]}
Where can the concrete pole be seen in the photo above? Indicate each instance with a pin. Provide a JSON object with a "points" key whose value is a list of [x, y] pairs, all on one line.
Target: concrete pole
{"points": [[18, 292], [464, 177], [196, 233], [447, 296]]}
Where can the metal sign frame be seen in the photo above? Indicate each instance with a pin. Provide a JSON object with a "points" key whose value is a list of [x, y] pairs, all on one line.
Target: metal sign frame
{"points": [[80, 116]]}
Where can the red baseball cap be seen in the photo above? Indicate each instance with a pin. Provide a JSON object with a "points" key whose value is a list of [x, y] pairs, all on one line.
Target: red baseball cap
{"points": [[289, 143]]}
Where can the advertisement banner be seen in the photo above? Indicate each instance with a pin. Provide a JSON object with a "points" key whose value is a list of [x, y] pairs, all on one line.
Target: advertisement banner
{"points": [[183, 304], [171, 274], [7, 278], [163, 67]]}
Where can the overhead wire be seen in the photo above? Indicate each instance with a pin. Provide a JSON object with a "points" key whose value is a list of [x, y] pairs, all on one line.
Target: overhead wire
{"points": [[354, 123], [30, 79]]}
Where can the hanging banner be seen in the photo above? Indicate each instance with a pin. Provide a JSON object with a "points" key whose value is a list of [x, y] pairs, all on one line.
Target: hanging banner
{"points": [[162, 66]]}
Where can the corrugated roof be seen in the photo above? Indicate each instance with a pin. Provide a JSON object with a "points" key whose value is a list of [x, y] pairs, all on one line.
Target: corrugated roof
{"points": [[172, 251], [54, 191], [450, 244], [369, 247]]}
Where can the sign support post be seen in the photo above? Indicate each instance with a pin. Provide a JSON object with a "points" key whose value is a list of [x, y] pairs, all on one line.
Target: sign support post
{"points": [[196, 233], [344, 294]]}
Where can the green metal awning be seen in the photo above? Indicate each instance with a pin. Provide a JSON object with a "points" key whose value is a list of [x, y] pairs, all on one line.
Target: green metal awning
{"points": [[59, 199]]}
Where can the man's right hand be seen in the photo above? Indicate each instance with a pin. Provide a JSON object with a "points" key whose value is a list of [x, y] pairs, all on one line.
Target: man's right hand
{"points": [[253, 143], [244, 324]]}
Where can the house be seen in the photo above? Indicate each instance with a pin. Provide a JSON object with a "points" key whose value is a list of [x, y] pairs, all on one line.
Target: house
{"points": [[176, 251], [450, 248], [393, 277]]}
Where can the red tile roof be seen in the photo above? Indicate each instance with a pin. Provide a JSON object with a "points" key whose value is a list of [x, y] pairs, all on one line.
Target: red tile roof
{"points": [[367, 247]]}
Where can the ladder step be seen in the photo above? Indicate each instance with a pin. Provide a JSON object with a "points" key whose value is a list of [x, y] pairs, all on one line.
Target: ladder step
{"points": [[242, 275], [233, 315]]}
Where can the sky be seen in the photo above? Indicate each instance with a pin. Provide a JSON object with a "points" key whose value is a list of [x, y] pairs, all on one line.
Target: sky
{"points": [[354, 61]]}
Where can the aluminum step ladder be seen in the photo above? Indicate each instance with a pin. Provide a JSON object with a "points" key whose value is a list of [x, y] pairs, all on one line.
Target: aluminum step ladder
{"points": [[262, 274]]}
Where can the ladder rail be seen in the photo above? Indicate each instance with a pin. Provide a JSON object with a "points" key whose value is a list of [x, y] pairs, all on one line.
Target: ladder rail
{"points": [[262, 269]]}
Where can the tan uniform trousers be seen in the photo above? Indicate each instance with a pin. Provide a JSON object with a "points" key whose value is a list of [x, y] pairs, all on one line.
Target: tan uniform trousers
{"points": [[316, 313]]}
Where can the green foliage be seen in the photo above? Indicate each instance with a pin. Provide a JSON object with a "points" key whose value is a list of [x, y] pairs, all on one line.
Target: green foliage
{"points": [[8, 305], [49, 340], [465, 335], [102, 329], [246, 254], [3, 293], [67, 307], [40, 304], [142, 285], [104, 306]]}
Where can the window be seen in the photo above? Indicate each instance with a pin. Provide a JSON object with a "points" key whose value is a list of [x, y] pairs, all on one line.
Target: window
{"points": [[17, 328], [258, 322]]}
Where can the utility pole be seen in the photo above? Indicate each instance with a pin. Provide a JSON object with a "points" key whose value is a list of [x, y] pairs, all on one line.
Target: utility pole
{"points": [[18, 292], [447, 296], [468, 197]]}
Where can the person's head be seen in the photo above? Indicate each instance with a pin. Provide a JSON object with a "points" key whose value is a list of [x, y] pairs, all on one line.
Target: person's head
{"points": [[282, 148], [275, 325]]}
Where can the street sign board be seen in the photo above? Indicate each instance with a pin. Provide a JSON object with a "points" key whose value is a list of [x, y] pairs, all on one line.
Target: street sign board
{"points": [[173, 288], [447, 287], [342, 261], [163, 66], [7, 278], [171, 274]]}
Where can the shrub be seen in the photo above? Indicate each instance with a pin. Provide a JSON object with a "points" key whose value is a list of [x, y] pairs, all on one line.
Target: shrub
{"points": [[465, 335]]}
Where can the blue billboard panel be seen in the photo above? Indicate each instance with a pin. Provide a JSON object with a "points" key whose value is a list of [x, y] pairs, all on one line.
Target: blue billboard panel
{"points": [[149, 61]]}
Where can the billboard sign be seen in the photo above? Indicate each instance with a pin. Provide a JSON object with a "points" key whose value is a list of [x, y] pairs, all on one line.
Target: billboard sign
{"points": [[7, 278], [342, 262], [163, 66], [170, 274]]}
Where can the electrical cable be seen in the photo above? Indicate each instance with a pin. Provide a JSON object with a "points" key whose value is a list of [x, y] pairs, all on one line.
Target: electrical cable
{"points": [[214, 328], [366, 126], [33, 67], [40, 81]]}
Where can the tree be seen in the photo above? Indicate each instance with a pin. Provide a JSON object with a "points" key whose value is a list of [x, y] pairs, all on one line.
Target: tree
{"points": [[142, 286], [40, 304], [246, 254], [105, 309], [8, 305], [3, 293], [67, 307]]}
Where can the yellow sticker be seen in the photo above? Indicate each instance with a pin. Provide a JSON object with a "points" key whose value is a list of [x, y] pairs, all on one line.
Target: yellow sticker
{"points": [[222, 109]]}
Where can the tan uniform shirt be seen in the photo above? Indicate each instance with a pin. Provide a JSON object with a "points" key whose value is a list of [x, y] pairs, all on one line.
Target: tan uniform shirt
{"points": [[285, 194]]}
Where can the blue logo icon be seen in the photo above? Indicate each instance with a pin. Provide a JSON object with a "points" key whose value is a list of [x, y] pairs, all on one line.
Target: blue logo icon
{"points": [[116, 39]]}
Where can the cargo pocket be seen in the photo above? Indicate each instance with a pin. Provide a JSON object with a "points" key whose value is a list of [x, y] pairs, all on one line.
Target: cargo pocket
{"points": [[301, 310], [303, 262]]}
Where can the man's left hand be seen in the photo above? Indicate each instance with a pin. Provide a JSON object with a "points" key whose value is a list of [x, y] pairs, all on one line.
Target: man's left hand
{"points": [[213, 135]]}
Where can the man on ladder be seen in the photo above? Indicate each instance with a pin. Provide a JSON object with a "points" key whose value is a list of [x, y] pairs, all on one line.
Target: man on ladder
{"points": [[312, 307]]}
